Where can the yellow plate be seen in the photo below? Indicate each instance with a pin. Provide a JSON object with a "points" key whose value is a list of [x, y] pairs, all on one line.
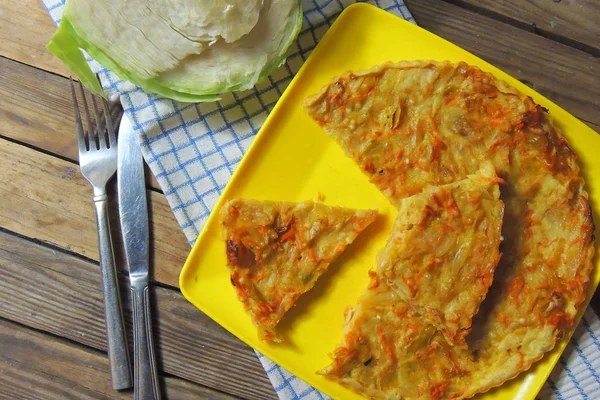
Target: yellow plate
{"points": [[292, 159]]}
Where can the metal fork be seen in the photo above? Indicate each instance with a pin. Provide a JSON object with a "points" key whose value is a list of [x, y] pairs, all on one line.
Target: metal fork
{"points": [[98, 163]]}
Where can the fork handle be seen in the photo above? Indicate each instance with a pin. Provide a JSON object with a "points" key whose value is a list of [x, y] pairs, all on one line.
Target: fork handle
{"points": [[146, 378], [116, 337]]}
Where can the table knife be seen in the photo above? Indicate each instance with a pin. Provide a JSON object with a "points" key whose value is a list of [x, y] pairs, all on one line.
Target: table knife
{"points": [[133, 212]]}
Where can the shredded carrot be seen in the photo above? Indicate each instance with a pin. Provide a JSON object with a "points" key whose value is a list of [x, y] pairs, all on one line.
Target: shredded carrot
{"points": [[556, 319], [438, 389], [333, 97], [438, 200], [521, 359], [518, 137], [427, 350], [368, 166], [486, 280], [515, 287], [450, 98], [374, 280], [504, 319], [496, 144], [447, 227], [429, 211], [311, 254], [410, 284], [289, 235], [265, 307], [390, 274], [474, 199], [437, 148], [452, 207], [401, 311], [234, 212], [494, 179], [385, 345], [529, 221], [422, 166], [262, 230], [497, 123], [359, 97], [321, 121]]}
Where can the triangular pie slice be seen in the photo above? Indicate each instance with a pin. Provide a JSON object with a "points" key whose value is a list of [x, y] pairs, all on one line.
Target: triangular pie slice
{"points": [[444, 249], [276, 251], [412, 124]]}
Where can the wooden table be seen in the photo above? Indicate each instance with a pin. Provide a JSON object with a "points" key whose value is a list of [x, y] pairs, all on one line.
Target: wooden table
{"points": [[51, 314]]}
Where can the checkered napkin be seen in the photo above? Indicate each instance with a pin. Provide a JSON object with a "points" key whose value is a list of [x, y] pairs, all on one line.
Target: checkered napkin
{"points": [[193, 149]]}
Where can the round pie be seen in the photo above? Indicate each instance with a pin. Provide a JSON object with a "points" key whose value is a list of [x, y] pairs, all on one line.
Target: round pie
{"points": [[411, 125]]}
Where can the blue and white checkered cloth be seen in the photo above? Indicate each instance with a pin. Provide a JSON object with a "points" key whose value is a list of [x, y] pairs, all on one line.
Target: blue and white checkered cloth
{"points": [[193, 149]]}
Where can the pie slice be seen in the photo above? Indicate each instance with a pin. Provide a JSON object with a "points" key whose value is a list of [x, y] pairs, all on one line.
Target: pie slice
{"points": [[276, 251], [390, 352], [444, 249]]}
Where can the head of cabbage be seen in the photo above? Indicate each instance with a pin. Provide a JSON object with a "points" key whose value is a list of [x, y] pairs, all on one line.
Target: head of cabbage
{"points": [[186, 50]]}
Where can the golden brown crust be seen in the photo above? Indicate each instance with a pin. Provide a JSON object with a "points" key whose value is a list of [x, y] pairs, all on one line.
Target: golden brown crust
{"points": [[276, 251], [444, 249], [410, 125]]}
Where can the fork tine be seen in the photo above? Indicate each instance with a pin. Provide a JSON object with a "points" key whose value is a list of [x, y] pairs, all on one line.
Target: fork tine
{"points": [[102, 141], [109, 125], [110, 132], [78, 125], [90, 130]]}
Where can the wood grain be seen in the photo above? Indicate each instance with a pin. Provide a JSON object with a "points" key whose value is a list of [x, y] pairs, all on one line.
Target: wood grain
{"points": [[25, 28], [575, 20], [37, 110], [58, 293], [565, 75], [37, 366], [48, 199]]}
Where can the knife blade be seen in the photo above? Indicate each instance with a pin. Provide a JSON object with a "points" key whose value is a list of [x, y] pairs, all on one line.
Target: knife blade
{"points": [[133, 212]]}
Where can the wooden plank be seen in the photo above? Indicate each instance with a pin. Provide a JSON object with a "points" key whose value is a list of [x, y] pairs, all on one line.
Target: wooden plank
{"points": [[37, 366], [58, 293], [25, 28], [38, 110], [180, 389], [48, 199], [577, 21], [566, 75]]}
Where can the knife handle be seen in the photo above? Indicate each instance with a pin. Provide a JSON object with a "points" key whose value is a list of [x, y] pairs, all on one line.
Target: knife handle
{"points": [[116, 337], [144, 367]]}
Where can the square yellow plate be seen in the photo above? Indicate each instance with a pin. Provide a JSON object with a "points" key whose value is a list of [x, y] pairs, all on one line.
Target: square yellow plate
{"points": [[293, 159]]}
